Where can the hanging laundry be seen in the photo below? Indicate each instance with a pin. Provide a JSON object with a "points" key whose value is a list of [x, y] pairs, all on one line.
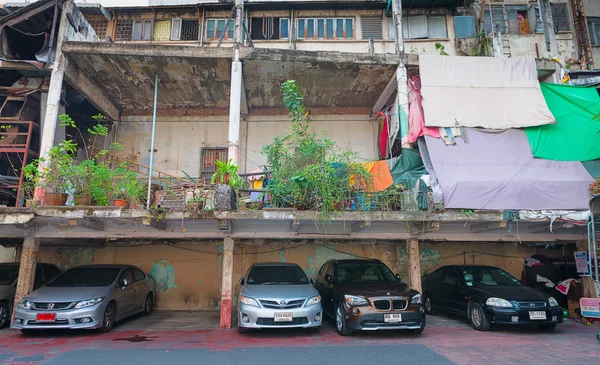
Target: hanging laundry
{"points": [[416, 117], [382, 178], [449, 133], [530, 262], [384, 136], [394, 127], [564, 286]]}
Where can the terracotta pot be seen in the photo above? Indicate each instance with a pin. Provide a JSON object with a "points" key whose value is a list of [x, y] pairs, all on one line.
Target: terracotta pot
{"points": [[226, 179], [120, 203], [83, 200], [51, 199]]}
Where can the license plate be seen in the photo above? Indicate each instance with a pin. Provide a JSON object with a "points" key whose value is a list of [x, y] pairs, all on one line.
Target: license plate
{"points": [[283, 317], [46, 317], [392, 318], [537, 315]]}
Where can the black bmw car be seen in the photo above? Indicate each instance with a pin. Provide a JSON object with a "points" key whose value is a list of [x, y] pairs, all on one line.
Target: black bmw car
{"points": [[488, 295]]}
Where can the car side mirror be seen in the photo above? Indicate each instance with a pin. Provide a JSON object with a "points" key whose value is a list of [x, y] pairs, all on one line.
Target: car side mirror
{"points": [[242, 281], [311, 281], [329, 279], [398, 277]]}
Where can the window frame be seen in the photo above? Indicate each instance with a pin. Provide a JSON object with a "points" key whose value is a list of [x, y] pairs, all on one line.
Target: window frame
{"points": [[173, 22], [406, 29], [216, 29], [593, 23], [281, 27], [143, 36], [315, 21], [202, 155]]}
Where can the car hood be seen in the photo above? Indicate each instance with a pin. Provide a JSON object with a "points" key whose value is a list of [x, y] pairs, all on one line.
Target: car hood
{"points": [[517, 293], [64, 294], [375, 289], [279, 291], [7, 292]]}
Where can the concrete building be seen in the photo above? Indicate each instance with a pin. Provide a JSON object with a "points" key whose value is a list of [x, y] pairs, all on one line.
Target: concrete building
{"points": [[219, 97]]}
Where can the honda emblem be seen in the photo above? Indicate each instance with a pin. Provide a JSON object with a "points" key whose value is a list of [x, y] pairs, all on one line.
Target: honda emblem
{"points": [[50, 305]]}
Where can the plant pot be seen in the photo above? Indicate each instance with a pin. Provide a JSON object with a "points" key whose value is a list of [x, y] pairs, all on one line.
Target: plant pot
{"points": [[120, 203], [195, 206], [52, 199], [226, 179], [83, 200]]}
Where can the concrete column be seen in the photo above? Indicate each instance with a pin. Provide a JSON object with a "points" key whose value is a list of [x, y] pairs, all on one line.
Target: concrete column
{"points": [[414, 264], [50, 117], [235, 96], [551, 46], [401, 74], [29, 258], [227, 282]]}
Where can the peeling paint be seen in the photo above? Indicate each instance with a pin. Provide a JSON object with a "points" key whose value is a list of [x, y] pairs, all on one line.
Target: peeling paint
{"points": [[282, 256], [322, 254], [163, 275]]}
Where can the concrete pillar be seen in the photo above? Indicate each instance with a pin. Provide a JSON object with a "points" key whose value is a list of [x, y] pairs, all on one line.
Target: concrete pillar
{"points": [[414, 264], [227, 282], [29, 258], [235, 96], [401, 74], [551, 46], [50, 117]]}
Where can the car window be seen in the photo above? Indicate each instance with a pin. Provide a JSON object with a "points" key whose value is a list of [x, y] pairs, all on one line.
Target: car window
{"points": [[8, 274], [438, 275], [364, 272], [331, 269], [51, 271], [277, 275], [452, 276], [138, 275], [126, 277], [488, 276], [86, 276], [38, 275], [323, 269]]}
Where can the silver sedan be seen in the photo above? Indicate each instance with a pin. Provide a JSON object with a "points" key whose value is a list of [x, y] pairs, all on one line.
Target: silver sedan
{"points": [[87, 297]]}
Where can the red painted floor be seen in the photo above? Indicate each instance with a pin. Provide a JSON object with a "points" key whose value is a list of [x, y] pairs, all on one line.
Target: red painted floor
{"points": [[570, 343]]}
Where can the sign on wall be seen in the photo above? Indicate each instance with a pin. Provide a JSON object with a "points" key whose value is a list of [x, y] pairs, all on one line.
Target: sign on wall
{"points": [[581, 261], [590, 307]]}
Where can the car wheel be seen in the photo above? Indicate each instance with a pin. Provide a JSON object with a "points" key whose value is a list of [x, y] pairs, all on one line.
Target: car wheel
{"points": [[429, 306], [477, 317], [148, 304], [547, 327], [340, 320], [108, 319], [243, 330], [4, 315]]}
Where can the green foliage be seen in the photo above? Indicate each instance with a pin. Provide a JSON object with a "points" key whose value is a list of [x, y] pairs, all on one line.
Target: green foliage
{"points": [[483, 46], [309, 172], [226, 173], [126, 186], [441, 48]]}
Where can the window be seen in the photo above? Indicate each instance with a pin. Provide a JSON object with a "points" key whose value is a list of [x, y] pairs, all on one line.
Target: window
{"points": [[50, 272], [497, 20], [209, 156], [38, 280], [124, 29], [277, 274], [560, 17], [325, 28], [371, 27], [126, 278], [216, 27], [594, 29], [269, 28], [189, 29], [364, 272], [175, 29], [452, 276], [142, 30], [331, 270], [138, 275], [86, 276], [464, 26], [419, 27]]}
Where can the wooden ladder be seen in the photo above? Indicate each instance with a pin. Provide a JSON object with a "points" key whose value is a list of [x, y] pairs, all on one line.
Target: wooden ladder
{"points": [[582, 34]]}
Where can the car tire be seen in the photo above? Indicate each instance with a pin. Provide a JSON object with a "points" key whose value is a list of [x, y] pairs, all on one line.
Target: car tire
{"points": [[429, 309], [148, 304], [547, 327], [477, 317], [4, 315], [243, 330], [340, 320], [108, 318]]}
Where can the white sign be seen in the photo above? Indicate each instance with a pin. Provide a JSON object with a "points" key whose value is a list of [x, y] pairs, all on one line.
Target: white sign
{"points": [[581, 261]]}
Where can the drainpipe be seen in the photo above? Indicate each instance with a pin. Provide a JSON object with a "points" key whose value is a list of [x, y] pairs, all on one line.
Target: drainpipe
{"points": [[152, 142], [235, 98], [54, 96], [401, 74]]}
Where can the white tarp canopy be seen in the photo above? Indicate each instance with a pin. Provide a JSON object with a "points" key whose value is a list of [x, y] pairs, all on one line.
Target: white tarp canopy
{"points": [[487, 92]]}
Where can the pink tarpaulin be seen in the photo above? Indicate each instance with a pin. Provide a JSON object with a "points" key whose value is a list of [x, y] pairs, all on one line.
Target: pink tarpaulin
{"points": [[496, 170], [416, 119]]}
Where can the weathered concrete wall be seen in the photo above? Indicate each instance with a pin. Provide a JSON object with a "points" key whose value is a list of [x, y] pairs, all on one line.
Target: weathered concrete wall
{"points": [[592, 8], [525, 45], [67, 257]]}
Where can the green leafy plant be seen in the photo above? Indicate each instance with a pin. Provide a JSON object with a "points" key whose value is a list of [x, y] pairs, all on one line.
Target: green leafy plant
{"points": [[226, 173], [595, 187], [126, 186], [307, 171], [483, 46], [441, 48]]}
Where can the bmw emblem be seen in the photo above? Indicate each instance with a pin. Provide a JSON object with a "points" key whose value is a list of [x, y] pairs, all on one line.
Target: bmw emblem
{"points": [[50, 305], [282, 303]]}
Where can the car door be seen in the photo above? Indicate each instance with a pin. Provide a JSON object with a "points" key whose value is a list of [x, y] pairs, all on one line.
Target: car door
{"points": [[38, 281], [448, 287], [432, 287], [127, 294], [320, 286], [455, 291], [142, 288]]}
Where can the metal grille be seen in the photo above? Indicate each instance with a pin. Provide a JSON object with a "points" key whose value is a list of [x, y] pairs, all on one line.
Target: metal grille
{"points": [[371, 27], [48, 323], [99, 26], [209, 156], [383, 305], [292, 304], [57, 306], [189, 30], [531, 305], [124, 30], [399, 304], [271, 321]]}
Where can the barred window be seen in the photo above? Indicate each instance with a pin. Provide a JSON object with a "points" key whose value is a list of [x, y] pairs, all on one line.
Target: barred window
{"points": [[189, 30], [124, 29]]}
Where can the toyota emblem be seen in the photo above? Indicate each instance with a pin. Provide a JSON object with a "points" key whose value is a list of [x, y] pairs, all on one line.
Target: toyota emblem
{"points": [[282, 303], [50, 305]]}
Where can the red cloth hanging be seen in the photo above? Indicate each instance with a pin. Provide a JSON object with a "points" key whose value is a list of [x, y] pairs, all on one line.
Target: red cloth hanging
{"points": [[384, 136]]}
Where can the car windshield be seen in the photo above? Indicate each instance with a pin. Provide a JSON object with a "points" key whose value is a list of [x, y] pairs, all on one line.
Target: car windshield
{"points": [[88, 276], [277, 275], [488, 276], [8, 274], [365, 272]]}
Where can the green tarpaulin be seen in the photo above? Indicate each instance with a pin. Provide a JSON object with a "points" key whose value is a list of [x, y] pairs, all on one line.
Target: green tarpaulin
{"points": [[593, 167], [408, 169], [575, 136]]}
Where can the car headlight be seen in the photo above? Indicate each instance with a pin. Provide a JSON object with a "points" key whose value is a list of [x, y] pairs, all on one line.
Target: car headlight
{"points": [[417, 299], [552, 302], [249, 301], [88, 303], [25, 304], [498, 302], [313, 301], [355, 301]]}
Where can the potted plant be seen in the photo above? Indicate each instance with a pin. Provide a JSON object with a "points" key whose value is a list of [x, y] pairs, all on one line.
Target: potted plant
{"points": [[196, 203], [53, 179], [127, 189], [226, 173], [80, 178]]}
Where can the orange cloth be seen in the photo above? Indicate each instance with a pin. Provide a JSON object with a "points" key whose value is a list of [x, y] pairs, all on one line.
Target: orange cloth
{"points": [[382, 177]]}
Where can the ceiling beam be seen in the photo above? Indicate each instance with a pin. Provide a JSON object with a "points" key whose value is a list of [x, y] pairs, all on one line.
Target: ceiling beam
{"points": [[386, 94]]}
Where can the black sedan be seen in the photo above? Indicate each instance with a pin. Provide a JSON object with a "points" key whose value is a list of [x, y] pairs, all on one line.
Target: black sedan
{"points": [[488, 295]]}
